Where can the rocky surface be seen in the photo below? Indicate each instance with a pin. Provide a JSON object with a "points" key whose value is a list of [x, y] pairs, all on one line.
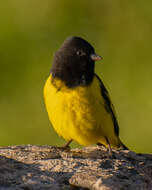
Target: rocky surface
{"points": [[48, 168]]}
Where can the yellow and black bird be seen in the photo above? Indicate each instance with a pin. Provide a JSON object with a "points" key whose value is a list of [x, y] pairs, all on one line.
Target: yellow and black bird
{"points": [[77, 102]]}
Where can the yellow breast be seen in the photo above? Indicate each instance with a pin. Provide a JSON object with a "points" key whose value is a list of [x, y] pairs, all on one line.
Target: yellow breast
{"points": [[78, 113]]}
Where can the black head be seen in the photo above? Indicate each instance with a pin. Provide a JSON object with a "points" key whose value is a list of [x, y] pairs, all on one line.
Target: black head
{"points": [[74, 62]]}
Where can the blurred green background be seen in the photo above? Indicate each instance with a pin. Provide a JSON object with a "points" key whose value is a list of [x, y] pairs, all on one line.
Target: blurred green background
{"points": [[32, 30]]}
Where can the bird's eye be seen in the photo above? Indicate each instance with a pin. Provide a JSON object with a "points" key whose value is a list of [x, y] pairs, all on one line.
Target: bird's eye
{"points": [[80, 53]]}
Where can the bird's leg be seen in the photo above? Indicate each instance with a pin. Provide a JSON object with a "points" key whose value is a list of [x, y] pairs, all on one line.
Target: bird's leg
{"points": [[109, 148], [67, 144]]}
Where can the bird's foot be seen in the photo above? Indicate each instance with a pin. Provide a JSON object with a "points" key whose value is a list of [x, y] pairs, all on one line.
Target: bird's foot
{"points": [[65, 147], [101, 145]]}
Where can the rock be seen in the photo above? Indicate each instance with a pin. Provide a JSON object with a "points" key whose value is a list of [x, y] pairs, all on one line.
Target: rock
{"points": [[32, 167]]}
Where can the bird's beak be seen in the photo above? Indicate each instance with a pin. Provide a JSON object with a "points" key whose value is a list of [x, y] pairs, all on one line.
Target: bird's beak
{"points": [[95, 57]]}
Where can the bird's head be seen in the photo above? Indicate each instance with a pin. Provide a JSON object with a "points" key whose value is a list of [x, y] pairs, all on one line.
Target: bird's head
{"points": [[74, 62]]}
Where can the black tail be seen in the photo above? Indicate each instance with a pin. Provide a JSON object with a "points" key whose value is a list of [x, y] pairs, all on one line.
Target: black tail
{"points": [[122, 146]]}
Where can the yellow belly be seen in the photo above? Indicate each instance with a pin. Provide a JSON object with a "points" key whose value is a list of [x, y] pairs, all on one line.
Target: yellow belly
{"points": [[79, 113]]}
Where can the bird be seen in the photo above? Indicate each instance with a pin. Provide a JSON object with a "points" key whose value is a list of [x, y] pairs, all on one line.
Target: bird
{"points": [[78, 104]]}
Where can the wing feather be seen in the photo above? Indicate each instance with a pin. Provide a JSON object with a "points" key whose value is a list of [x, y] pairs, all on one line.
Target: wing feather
{"points": [[108, 105]]}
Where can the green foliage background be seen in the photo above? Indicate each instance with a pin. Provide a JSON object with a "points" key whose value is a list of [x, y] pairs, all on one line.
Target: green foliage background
{"points": [[32, 30]]}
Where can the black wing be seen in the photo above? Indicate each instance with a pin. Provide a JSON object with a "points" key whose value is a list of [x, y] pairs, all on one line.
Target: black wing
{"points": [[108, 105]]}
